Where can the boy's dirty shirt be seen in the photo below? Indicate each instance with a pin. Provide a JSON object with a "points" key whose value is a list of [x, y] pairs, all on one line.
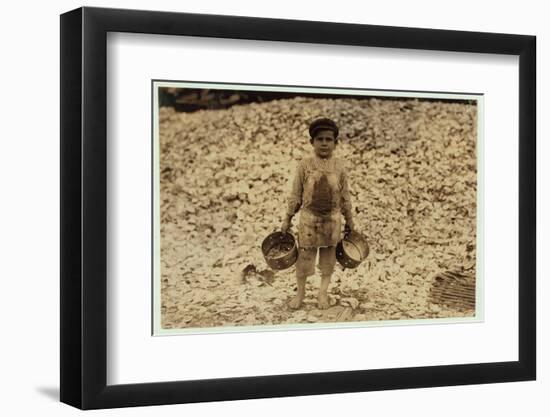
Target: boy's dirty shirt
{"points": [[320, 189]]}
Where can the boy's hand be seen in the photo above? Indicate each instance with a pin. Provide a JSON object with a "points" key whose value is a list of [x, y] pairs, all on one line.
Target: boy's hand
{"points": [[286, 224], [349, 227]]}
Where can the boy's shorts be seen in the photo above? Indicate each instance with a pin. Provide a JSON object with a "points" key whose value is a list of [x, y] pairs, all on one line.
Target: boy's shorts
{"points": [[305, 265], [318, 231]]}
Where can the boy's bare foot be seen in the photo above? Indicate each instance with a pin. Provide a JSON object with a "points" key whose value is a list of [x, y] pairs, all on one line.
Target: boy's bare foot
{"points": [[323, 302], [296, 302]]}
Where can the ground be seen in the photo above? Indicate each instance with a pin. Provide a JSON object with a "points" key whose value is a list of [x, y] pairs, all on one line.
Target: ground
{"points": [[224, 178]]}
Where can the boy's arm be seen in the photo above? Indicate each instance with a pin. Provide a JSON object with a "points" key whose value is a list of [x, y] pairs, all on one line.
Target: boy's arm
{"points": [[294, 201], [346, 202]]}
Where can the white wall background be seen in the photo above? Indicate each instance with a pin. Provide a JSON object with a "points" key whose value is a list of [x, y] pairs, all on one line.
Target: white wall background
{"points": [[29, 225]]}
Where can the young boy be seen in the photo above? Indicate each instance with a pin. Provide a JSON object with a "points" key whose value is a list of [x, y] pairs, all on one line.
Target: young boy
{"points": [[320, 190]]}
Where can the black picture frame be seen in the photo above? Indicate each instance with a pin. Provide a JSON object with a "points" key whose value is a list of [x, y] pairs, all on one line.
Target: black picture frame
{"points": [[83, 311]]}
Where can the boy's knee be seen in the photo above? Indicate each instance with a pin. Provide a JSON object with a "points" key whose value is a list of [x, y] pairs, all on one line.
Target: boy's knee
{"points": [[327, 260], [326, 270], [304, 270], [305, 265]]}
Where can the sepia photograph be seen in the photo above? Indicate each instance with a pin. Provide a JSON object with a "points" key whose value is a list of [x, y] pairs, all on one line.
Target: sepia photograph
{"points": [[285, 207]]}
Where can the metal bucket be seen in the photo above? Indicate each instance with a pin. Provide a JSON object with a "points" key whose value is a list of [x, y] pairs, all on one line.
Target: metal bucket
{"points": [[352, 250], [280, 250]]}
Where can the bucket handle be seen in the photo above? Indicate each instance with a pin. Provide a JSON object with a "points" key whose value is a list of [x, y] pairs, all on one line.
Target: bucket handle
{"points": [[347, 231]]}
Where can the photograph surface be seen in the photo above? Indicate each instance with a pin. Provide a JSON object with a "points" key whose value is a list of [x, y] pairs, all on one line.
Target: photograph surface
{"points": [[279, 207]]}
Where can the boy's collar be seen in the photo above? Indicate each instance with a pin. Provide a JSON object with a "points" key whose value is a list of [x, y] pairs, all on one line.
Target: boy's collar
{"points": [[323, 159]]}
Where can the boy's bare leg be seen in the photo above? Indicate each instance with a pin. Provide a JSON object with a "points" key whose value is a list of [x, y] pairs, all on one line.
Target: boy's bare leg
{"points": [[322, 300], [296, 302], [327, 260], [305, 266]]}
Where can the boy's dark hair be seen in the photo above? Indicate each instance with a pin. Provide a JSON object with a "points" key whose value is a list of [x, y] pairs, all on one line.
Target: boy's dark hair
{"points": [[322, 123]]}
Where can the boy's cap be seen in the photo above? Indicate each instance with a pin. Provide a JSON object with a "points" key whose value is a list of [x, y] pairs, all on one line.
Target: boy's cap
{"points": [[322, 124]]}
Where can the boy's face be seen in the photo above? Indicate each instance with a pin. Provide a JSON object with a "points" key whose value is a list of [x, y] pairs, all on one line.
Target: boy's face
{"points": [[324, 143]]}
